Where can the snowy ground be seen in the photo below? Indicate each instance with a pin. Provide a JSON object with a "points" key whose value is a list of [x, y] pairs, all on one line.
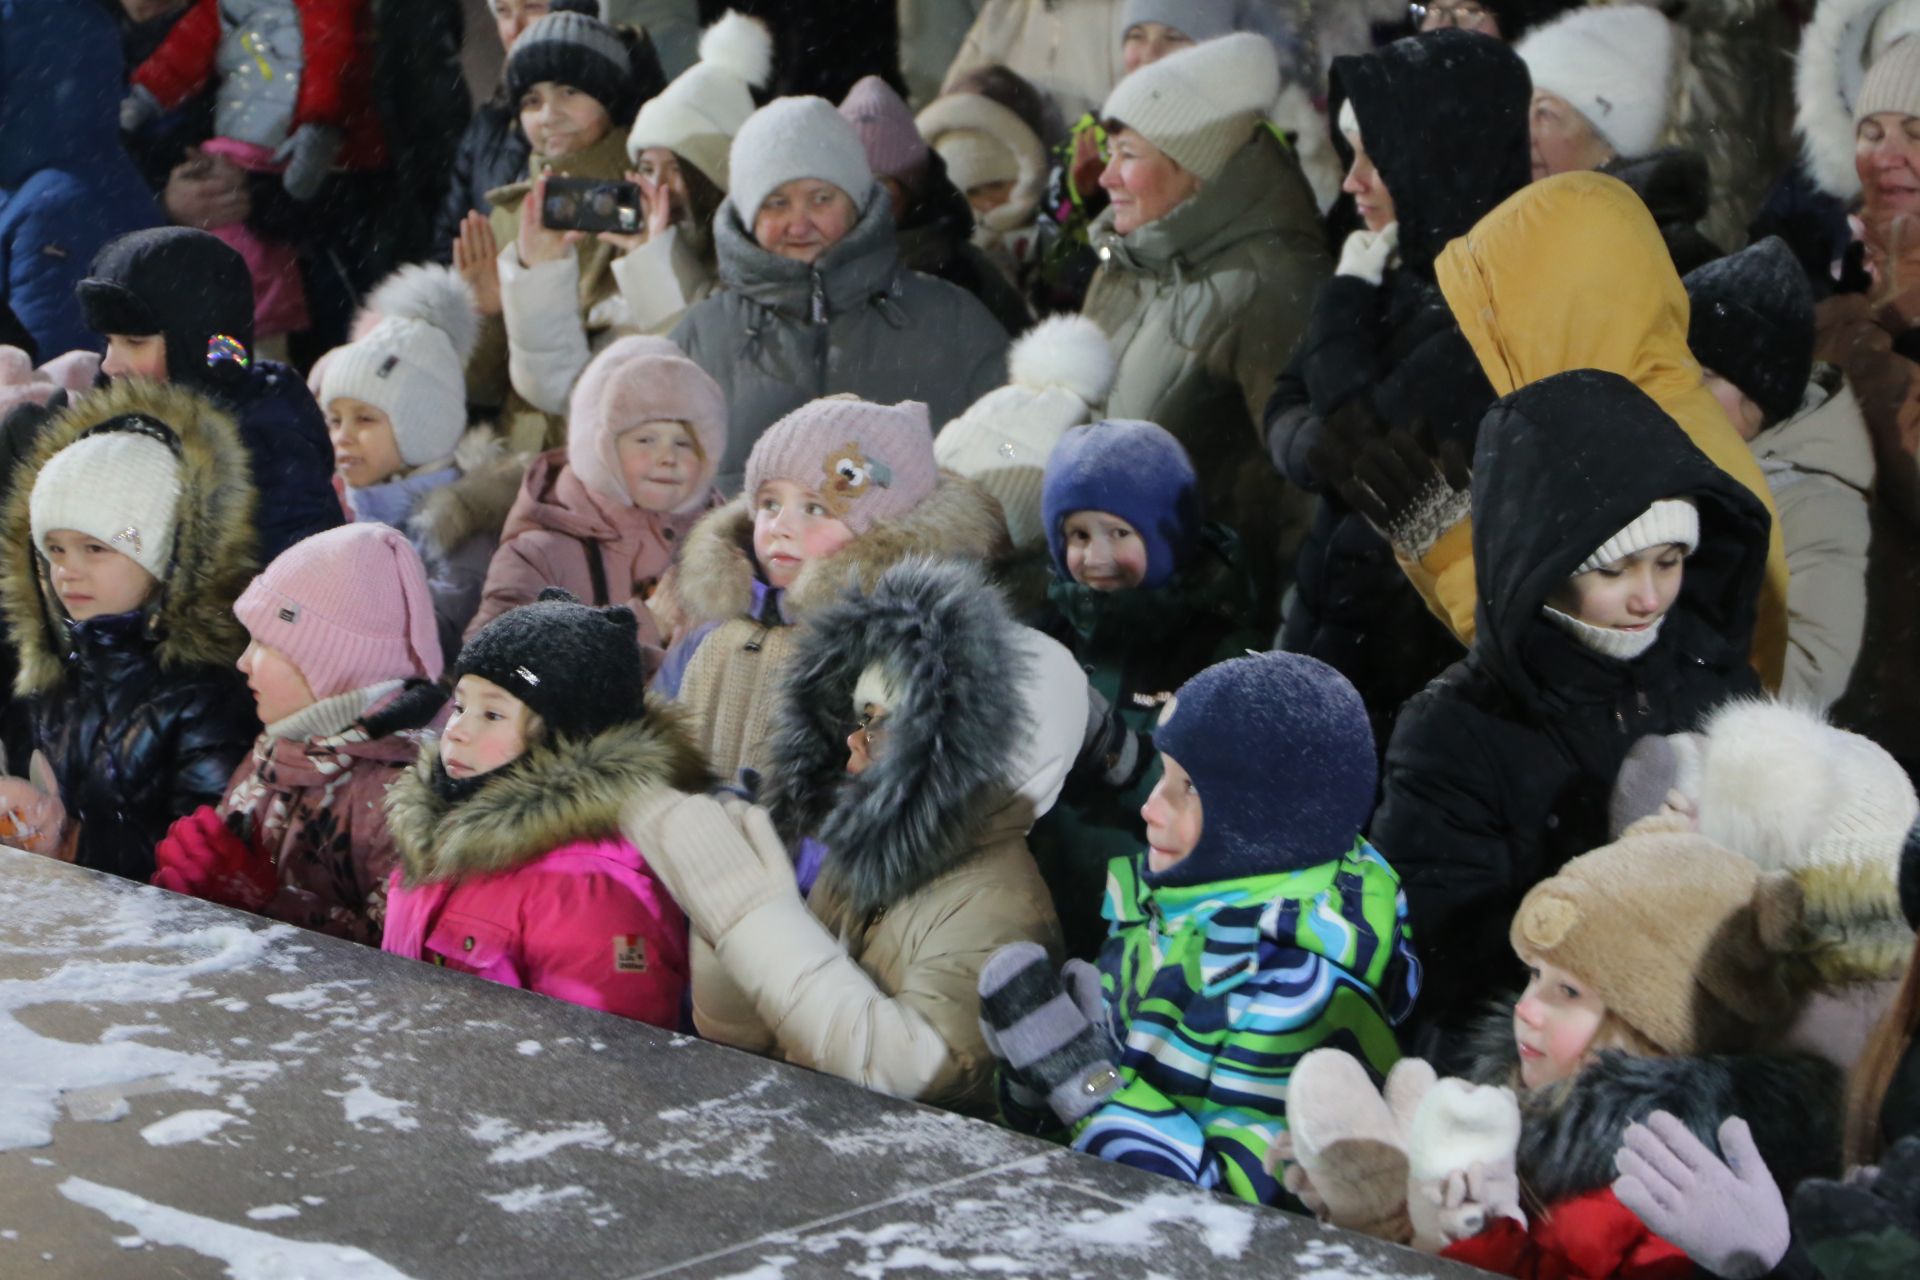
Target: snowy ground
{"points": [[189, 1091]]}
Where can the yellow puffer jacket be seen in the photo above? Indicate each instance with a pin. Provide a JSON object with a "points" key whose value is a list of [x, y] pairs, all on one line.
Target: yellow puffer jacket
{"points": [[1571, 273]]}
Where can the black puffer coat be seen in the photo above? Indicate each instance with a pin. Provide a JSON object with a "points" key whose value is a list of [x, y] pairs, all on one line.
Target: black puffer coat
{"points": [[936, 239], [1396, 344], [492, 153], [1500, 770], [142, 716]]}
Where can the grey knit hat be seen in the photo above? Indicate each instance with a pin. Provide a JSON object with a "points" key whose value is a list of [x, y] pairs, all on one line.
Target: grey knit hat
{"points": [[574, 49], [794, 138], [1200, 105]]}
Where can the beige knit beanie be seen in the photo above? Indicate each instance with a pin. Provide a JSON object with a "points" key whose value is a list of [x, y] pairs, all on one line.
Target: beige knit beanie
{"points": [[1200, 105], [1679, 938], [697, 115], [1892, 83]]}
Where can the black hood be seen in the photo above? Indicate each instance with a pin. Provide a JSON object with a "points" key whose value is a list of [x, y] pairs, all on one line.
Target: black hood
{"points": [[1562, 465], [186, 285], [1444, 117]]}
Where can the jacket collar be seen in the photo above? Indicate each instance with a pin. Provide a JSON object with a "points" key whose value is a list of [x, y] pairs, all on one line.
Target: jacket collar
{"points": [[861, 270], [1245, 202]]}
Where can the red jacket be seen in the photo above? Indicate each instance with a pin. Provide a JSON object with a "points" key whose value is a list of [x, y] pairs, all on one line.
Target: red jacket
{"points": [[1591, 1236], [336, 75]]}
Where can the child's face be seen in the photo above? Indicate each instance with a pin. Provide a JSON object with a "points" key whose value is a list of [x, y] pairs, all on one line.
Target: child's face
{"points": [[560, 120], [1630, 594], [365, 452], [867, 740], [1104, 552], [1554, 1024], [135, 356], [92, 579], [488, 729], [790, 527], [1747, 417], [1172, 815], [660, 462], [279, 690]]}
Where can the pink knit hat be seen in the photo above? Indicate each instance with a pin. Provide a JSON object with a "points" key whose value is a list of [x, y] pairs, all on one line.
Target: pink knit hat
{"points": [[349, 608], [885, 127], [868, 462], [642, 379]]}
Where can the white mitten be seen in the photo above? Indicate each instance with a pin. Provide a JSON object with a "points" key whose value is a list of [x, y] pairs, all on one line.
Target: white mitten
{"points": [[1366, 253], [1460, 1162]]}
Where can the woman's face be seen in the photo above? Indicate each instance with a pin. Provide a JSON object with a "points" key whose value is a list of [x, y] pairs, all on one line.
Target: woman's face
{"points": [[1886, 154], [1149, 42], [1554, 1024], [560, 120], [1371, 199], [1630, 594], [803, 219], [1563, 140], [1143, 182], [661, 167]]}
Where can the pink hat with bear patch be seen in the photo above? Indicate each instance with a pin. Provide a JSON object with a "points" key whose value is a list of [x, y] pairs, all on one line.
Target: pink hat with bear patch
{"points": [[642, 379], [868, 462]]}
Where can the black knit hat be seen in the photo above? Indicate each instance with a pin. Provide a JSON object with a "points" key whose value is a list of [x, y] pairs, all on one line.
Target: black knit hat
{"points": [[617, 67], [186, 285], [577, 667], [1753, 324]]}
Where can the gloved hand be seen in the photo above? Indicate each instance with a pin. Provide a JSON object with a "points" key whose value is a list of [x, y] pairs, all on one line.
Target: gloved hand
{"points": [[1345, 1154], [1861, 1228], [717, 867], [1365, 254], [138, 108], [1727, 1215], [201, 857], [1047, 1028], [308, 155], [1461, 1171], [1410, 490]]}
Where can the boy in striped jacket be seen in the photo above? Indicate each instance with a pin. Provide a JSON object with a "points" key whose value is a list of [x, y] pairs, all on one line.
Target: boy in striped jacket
{"points": [[1257, 926]]}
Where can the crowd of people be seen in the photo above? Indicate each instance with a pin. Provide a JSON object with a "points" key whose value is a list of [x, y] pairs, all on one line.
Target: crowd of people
{"points": [[1319, 599]]}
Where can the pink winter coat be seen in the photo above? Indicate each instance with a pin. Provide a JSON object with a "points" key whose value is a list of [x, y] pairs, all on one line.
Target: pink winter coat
{"points": [[556, 524], [527, 881]]}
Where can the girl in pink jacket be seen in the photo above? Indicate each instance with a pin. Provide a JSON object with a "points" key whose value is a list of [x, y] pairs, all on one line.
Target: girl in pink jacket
{"points": [[512, 865], [604, 516]]}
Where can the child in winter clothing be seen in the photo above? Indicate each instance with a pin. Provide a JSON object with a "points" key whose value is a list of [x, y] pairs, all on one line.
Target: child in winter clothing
{"points": [[577, 82], [176, 305], [344, 666], [1147, 596], [512, 866], [857, 953], [1257, 925], [397, 417], [1618, 570], [837, 492], [128, 535], [1654, 994], [604, 516], [1752, 328]]}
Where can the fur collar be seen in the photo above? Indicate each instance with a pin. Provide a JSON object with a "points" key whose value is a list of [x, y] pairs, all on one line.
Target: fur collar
{"points": [[560, 792], [946, 646], [190, 615], [1570, 1132], [477, 502], [714, 582], [1836, 49]]}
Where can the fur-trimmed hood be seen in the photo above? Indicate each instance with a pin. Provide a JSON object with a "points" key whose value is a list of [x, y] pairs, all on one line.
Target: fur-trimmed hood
{"points": [[477, 503], [1570, 1132], [563, 790], [988, 717], [190, 616], [715, 578], [976, 113], [1836, 49]]}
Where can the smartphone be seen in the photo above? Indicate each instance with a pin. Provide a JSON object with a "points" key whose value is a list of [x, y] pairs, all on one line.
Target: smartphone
{"points": [[591, 204]]}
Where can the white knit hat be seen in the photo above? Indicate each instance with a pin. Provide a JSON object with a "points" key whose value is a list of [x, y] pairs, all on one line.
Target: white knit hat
{"points": [[412, 366], [1059, 371], [794, 138], [1667, 521], [697, 116], [1614, 65], [983, 141], [120, 487], [1200, 105]]}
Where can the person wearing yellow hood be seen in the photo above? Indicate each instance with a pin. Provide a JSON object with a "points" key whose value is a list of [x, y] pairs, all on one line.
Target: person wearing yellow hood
{"points": [[1571, 273]]}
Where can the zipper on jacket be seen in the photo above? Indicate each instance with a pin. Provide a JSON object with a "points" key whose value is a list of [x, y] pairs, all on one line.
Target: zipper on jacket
{"points": [[753, 645]]}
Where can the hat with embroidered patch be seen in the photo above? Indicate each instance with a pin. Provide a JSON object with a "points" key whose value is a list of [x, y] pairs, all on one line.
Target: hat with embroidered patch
{"points": [[867, 462], [117, 484]]}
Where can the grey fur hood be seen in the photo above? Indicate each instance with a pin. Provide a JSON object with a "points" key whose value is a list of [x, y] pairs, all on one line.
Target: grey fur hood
{"points": [[988, 717], [1570, 1132]]}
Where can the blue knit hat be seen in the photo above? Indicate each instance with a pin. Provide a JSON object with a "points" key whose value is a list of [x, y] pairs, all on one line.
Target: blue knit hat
{"points": [[1133, 470], [1281, 754]]}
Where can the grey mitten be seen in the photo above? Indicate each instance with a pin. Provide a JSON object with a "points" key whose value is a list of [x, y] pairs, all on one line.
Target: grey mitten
{"points": [[1035, 1023], [1727, 1215], [138, 108], [308, 155]]}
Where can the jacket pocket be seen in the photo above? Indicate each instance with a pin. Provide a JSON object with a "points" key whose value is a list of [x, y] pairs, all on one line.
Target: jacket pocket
{"points": [[474, 944]]}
